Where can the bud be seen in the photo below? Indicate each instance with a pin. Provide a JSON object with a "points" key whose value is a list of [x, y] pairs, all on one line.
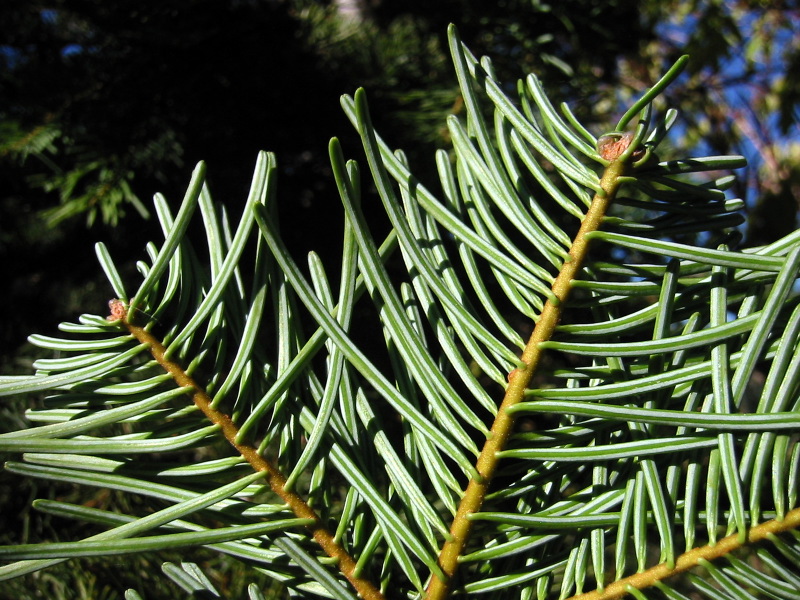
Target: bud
{"points": [[612, 145], [118, 310]]}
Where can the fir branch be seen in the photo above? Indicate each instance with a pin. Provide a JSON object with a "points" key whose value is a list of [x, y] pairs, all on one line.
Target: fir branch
{"points": [[693, 558], [519, 378], [277, 481]]}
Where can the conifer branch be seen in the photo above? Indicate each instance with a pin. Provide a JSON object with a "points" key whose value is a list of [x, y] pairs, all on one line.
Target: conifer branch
{"points": [[277, 481], [693, 558], [519, 379]]}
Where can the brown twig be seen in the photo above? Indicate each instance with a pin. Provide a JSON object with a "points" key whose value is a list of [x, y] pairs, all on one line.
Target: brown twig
{"points": [[693, 558], [230, 430], [518, 379]]}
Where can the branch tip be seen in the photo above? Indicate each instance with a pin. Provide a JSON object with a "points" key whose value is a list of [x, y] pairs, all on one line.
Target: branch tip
{"points": [[119, 311]]}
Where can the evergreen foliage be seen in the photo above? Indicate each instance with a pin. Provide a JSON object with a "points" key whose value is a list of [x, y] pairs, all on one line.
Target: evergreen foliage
{"points": [[386, 424]]}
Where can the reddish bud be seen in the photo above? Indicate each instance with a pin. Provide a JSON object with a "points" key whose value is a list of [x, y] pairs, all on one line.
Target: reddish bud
{"points": [[118, 310]]}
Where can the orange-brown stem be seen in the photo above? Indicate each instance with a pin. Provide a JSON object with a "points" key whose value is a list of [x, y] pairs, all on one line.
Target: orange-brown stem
{"points": [[693, 558], [230, 430], [518, 380]]}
